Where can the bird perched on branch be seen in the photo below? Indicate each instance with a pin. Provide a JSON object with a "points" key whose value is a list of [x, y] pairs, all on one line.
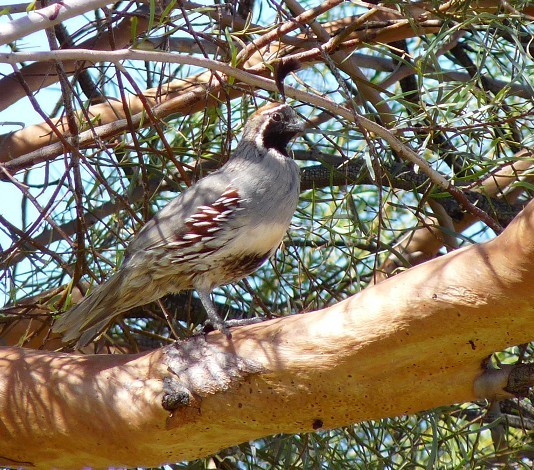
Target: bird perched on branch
{"points": [[216, 232]]}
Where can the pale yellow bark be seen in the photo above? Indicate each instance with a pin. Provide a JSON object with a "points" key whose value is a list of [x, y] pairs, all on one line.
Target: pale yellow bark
{"points": [[412, 342]]}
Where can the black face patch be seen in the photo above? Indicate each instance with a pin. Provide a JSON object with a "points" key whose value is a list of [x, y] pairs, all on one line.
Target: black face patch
{"points": [[277, 135]]}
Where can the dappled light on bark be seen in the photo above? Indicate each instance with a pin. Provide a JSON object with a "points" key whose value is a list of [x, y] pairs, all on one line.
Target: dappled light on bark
{"points": [[397, 310]]}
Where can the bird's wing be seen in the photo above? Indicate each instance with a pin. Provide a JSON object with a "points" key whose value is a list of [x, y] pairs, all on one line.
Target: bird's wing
{"points": [[194, 218]]}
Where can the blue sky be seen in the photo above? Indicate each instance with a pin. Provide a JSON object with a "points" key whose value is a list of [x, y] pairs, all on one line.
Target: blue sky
{"points": [[22, 113]]}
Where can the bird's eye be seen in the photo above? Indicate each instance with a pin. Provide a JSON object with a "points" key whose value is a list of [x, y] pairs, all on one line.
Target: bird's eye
{"points": [[277, 117]]}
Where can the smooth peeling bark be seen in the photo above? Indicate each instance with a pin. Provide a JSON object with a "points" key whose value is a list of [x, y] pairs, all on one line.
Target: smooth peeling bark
{"points": [[413, 342], [39, 75], [34, 137]]}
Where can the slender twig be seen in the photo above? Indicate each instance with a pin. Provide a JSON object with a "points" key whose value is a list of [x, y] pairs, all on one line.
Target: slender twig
{"points": [[338, 59], [74, 164], [302, 19], [404, 151], [155, 124]]}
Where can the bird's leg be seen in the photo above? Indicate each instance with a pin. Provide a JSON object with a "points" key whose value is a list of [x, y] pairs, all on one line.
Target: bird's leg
{"points": [[215, 320], [213, 316]]}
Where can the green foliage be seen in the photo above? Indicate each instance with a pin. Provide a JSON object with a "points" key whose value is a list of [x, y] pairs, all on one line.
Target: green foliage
{"points": [[468, 111]]}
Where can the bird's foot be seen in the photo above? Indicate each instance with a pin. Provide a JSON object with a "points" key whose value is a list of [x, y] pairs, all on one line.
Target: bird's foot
{"points": [[223, 326], [213, 324], [242, 321], [214, 320]]}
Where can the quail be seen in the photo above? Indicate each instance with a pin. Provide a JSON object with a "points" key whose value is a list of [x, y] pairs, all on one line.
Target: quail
{"points": [[216, 232]]}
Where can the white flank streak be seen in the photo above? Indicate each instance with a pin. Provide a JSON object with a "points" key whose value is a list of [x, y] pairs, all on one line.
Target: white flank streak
{"points": [[176, 244], [181, 258], [191, 236], [202, 224], [228, 191]]}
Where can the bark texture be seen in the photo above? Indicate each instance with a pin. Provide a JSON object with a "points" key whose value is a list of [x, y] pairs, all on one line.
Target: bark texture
{"points": [[413, 342]]}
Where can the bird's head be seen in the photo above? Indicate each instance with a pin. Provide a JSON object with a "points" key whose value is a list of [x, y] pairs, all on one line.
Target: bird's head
{"points": [[273, 126]]}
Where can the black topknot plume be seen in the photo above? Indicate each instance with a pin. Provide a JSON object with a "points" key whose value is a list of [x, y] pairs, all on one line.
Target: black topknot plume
{"points": [[282, 69]]}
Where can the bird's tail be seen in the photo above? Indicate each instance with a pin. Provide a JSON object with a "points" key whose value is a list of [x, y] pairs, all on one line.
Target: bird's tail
{"points": [[88, 318]]}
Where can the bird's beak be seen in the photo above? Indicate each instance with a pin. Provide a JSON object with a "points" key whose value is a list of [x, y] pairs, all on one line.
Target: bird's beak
{"points": [[296, 125]]}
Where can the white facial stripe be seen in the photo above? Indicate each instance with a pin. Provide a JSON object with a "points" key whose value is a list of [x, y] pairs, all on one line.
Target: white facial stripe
{"points": [[276, 108], [259, 137]]}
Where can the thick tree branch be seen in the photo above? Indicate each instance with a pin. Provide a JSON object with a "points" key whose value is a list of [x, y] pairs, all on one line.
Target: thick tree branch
{"points": [[46, 17], [38, 75], [413, 342]]}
